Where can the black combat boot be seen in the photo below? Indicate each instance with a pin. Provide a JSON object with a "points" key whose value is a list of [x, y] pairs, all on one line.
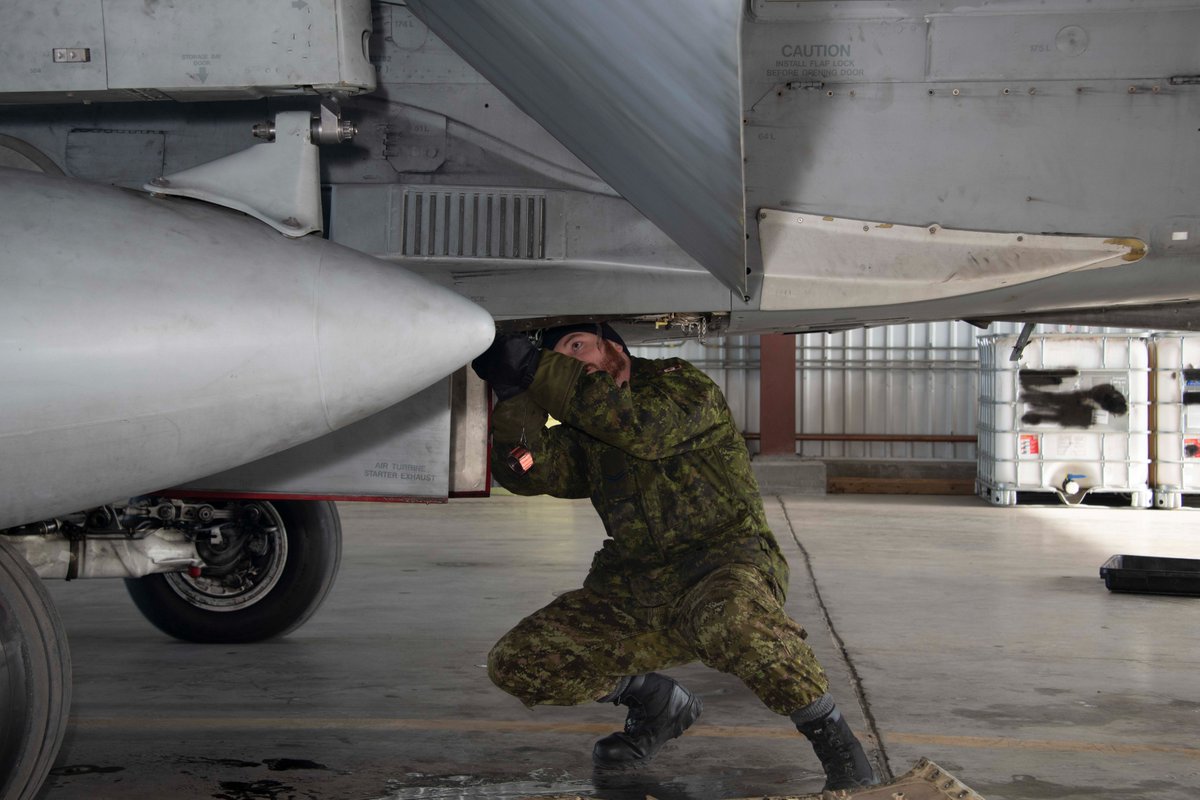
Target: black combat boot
{"points": [[841, 755], [659, 710]]}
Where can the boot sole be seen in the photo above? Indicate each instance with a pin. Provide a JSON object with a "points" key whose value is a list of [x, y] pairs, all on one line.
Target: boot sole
{"points": [[691, 713]]}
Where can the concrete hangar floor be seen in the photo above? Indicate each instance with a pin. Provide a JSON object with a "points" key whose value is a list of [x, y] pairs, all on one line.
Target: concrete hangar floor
{"points": [[979, 637]]}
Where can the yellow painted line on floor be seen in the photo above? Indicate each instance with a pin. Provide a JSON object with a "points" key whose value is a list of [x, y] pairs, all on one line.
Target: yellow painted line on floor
{"points": [[1064, 745], [334, 723], [173, 723]]}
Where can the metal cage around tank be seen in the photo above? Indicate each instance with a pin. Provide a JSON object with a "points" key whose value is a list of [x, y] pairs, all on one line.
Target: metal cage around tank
{"points": [[1069, 420]]}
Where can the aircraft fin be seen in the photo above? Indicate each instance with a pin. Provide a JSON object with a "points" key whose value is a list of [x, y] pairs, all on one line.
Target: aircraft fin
{"points": [[278, 182], [646, 94]]}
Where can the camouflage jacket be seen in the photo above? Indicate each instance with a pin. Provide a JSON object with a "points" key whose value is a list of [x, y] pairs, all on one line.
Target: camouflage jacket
{"points": [[662, 462]]}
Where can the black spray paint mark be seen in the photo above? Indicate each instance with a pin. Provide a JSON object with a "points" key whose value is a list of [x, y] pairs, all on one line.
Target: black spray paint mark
{"points": [[1033, 378], [1069, 409]]}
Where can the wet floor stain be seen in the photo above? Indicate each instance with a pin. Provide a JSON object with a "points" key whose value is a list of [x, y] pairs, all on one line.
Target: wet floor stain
{"points": [[273, 764], [259, 790], [286, 764], [222, 762], [640, 785], [83, 769], [419, 786], [636, 785]]}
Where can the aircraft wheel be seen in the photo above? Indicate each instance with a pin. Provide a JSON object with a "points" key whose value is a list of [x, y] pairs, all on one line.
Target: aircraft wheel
{"points": [[35, 678], [263, 583]]}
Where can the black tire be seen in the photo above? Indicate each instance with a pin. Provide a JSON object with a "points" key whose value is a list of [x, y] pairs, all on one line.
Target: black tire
{"points": [[313, 553], [35, 678]]}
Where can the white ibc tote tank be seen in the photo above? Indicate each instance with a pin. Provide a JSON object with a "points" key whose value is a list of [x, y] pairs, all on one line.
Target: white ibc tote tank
{"points": [[1175, 421], [1070, 417]]}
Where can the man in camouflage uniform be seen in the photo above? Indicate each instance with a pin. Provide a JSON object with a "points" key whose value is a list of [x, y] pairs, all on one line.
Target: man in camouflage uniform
{"points": [[690, 569]]}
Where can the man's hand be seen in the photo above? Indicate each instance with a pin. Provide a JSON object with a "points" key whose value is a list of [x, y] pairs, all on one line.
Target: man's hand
{"points": [[509, 364]]}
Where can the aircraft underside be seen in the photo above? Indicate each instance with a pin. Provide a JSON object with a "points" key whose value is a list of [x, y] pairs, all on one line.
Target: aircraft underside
{"points": [[812, 177]]}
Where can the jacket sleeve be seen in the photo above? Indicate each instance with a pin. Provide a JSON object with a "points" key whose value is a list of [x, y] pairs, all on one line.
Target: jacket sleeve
{"points": [[559, 464], [674, 411]]}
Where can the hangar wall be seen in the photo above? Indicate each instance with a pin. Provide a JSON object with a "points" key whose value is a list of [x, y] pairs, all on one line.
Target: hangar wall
{"points": [[920, 379]]}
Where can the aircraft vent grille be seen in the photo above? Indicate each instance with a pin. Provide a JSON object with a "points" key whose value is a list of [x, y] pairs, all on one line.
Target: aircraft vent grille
{"points": [[473, 223]]}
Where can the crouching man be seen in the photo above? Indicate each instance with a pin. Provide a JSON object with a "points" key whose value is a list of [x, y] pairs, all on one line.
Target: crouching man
{"points": [[689, 571]]}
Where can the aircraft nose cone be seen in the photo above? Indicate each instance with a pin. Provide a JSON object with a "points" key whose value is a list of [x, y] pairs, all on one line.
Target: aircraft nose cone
{"points": [[384, 334]]}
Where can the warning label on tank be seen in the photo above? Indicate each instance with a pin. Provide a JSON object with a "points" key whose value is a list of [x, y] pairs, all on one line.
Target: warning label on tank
{"points": [[1028, 445]]}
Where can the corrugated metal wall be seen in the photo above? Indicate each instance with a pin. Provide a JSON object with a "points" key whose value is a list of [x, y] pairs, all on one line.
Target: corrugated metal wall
{"points": [[900, 380]]}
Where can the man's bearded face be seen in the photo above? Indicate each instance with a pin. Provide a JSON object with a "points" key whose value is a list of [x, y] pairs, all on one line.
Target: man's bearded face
{"points": [[598, 353]]}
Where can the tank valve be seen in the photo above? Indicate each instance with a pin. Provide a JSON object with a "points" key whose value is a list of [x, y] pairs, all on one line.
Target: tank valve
{"points": [[1070, 485]]}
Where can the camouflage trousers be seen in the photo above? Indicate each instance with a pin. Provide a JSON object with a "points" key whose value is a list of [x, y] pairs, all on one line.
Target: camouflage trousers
{"points": [[577, 648]]}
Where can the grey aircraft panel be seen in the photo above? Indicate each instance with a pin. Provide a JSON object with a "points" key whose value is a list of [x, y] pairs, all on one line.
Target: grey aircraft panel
{"points": [[403, 451], [27, 60], [646, 94], [135, 50], [1168, 281], [526, 254], [1136, 42], [1003, 148], [1076, 120]]}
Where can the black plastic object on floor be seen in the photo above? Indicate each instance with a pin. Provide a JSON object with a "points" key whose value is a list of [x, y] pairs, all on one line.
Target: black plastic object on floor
{"points": [[1152, 575]]}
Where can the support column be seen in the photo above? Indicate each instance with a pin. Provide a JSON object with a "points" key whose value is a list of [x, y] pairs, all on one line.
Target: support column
{"points": [[777, 394], [776, 466]]}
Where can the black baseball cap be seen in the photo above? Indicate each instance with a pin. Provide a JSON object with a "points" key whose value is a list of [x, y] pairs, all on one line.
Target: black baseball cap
{"points": [[552, 336]]}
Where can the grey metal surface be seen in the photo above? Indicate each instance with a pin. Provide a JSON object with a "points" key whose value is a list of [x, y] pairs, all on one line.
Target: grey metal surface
{"points": [[278, 182], [1010, 133], [1079, 43], [1078, 133], [812, 261], [29, 32], [568, 262], [403, 451], [451, 221], [185, 51], [430, 89], [979, 120], [154, 341], [57, 556], [108, 156], [647, 95], [859, 140], [18, 154]]}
